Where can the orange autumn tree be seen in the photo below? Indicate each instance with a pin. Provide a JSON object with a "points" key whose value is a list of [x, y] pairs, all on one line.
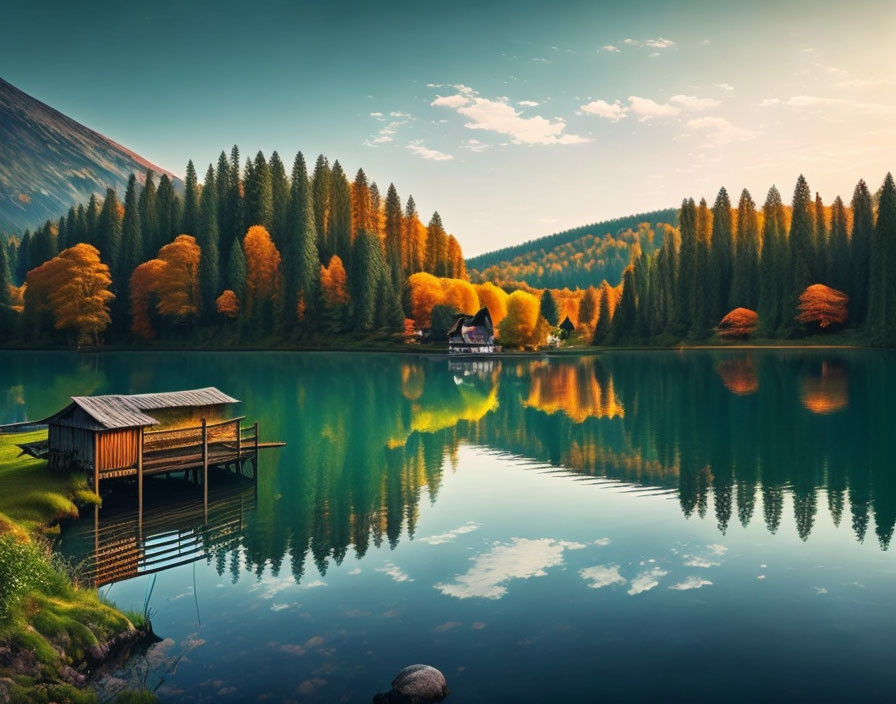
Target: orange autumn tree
{"points": [[461, 295], [142, 290], [262, 273], [823, 306], [334, 292], [227, 304], [426, 293], [493, 298], [73, 287], [523, 326], [177, 287], [741, 322]]}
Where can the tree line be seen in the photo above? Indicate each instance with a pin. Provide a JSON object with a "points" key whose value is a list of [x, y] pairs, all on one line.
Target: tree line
{"points": [[796, 270], [273, 253]]}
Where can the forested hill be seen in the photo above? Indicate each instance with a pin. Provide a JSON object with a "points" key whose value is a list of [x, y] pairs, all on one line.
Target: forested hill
{"points": [[49, 162], [580, 257]]}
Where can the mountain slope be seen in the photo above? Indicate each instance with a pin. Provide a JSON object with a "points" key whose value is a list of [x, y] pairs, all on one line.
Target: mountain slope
{"points": [[49, 162], [581, 257]]}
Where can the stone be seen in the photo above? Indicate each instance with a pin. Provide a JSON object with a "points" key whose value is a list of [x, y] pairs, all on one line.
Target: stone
{"points": [[416, 684]]}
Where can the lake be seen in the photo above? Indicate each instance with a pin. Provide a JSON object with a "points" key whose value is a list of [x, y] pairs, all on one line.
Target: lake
{"points": [[628, 526]]}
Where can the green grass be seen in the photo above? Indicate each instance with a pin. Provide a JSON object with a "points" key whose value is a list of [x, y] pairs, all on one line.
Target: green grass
{"points": [[42, 610]]}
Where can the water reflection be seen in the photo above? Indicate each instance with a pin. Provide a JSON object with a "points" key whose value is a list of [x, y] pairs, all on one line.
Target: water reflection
{"points": [[369, 437]]}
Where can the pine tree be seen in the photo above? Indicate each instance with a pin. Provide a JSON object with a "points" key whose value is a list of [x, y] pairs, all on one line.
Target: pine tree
{"points": [[745, 277], [687, 268], [548, 308], [109, 229], [208, 237], [166, 212], [414, 258], [43, 245], [367, 270], [235, 206], [280, 195], [190, 215], [71, 230], [339, 218], [149, 218], [701, 319], [393, 225], [236, 271], [376, 224], [259, 193], [61, 236], [301, 263], [92, 215], [23, 266], [821, 272], [362, 217], [773, 266], [720, 259], [80, 225], [602, 327], [5, 277], [860, 253], [622, 328], [389, 313], [800, 240], [839, 246], [882, 281], [222, 183], [131, 235], [436, 247], [320, 186]]}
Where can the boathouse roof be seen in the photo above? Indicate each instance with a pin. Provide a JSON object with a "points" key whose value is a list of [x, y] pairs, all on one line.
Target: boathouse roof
{"points": [[123, 411]]}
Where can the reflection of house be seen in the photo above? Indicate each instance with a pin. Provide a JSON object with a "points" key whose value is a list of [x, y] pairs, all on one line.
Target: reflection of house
{"points": [[473, 334]]}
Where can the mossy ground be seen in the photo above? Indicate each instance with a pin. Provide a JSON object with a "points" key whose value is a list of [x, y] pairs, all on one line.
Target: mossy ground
{"points": [[47, 621]]}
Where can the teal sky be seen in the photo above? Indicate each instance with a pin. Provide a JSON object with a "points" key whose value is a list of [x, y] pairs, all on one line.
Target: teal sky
{"points": [[513, 119]]}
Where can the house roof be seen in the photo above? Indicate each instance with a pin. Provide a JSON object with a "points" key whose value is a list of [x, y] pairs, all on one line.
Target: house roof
{"points": [[482, 318], [119, 411], [567, 324]]}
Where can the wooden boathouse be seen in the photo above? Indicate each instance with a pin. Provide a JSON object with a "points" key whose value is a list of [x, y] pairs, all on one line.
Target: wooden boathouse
{"points": [[141, 435], [473, 334]]}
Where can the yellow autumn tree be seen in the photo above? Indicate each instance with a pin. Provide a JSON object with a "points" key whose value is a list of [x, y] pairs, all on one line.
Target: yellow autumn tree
{"points": [[74, 288], [143, 289], [523, 326], [177, 288], [493, 298]]}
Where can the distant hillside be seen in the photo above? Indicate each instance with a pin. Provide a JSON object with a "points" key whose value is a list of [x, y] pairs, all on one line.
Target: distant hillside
{"points": [[580, 257], [48, 162]]}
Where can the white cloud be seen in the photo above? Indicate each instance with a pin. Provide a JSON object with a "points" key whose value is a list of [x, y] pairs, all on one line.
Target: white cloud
{"points": [[450, 101], [396, 573], [646, 581], [279, 607], [691, 583], [609, 111], [658, 43], [427, 153], [725, 86], [612, 49], [692, 102], [501, 117], [719, 131], [600, 576], [474, 145], [522, 558], [603, 542], [527, 103], [450, 535], [647, 109], [695, 561], [717, 549]]}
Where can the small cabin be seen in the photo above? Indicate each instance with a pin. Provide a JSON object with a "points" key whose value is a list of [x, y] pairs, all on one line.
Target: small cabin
{"points": [[566, 328], [105, 433], [473, 334]]}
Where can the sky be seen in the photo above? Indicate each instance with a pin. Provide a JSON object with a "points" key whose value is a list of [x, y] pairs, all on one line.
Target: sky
{"points": [[512, 119]]}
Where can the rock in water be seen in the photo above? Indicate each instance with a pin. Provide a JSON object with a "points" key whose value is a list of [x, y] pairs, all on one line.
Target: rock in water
{"points": [[416, 684]]}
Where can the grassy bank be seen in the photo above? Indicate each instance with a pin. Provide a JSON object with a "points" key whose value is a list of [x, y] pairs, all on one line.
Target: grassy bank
{"points": [[51, 629]]}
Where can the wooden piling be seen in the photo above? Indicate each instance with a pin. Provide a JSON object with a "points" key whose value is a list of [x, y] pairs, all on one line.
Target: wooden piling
{"points": [[140, 483], [205, 464]]}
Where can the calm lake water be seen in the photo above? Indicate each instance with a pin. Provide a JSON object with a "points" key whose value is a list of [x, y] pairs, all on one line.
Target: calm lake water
{"points": [[629, 526]]}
